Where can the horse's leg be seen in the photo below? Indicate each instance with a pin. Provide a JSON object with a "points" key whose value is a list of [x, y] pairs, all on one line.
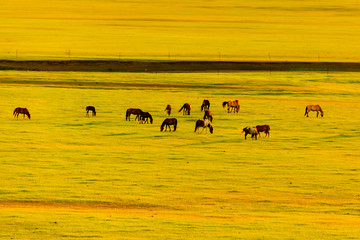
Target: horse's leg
{"points": [[245, 135], [317, 113]]}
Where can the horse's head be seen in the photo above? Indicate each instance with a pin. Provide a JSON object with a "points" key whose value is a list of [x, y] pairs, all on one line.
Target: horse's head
{"points": [[322, 114], [211, 129], [224, 104], [246, 129]]}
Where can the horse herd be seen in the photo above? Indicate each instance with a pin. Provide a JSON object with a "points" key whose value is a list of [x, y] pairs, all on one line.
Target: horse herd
{"points": [[204, 123]]}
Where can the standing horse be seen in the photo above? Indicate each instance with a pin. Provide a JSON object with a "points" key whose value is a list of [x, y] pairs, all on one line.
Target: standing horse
{"points": [[20, 110], [186, 108], [145, 117], [252, 131], [316, 108], [205, 105], [208, 115], [232, 106], [204, 124], [167, 122], [134, 111], [263, 128], [168, 109], [90, 108]]}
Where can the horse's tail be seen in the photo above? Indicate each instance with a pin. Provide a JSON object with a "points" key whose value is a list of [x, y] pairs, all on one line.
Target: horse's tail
{"points": [[306, 110], [175, 124], [127, 115]]}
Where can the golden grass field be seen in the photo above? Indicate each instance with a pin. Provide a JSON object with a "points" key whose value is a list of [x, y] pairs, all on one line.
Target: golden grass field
{"points": [[65, 175], [277, 30], [68, 176]]}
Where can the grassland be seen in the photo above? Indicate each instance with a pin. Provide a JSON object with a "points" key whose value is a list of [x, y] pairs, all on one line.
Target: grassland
{"points": [[65, 175], [277, 30]]}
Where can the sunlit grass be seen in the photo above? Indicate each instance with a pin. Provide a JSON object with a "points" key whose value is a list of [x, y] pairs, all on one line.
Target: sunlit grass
{"points": [[191, 30], [98, 177]]}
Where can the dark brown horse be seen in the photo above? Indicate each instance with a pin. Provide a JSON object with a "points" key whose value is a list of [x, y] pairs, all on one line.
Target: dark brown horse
{"points": [[20, 110], [204, 124], [134, 111], [145, 117], [92, 109], [168, 109], [263, 128], [167, 122], [186, 109], [205, 105], [316, 108], [252, 131], [232, 106], [208, 115]]}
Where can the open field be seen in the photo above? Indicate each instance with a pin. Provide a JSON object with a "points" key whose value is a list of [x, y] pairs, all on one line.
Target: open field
{"points": [[65, 175], [277, 30]]}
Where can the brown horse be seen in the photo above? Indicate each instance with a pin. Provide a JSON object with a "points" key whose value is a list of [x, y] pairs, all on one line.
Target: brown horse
{"points": [[186, 108], [167, 122], [252, 131], [263, 128], [90, 108], [205, 105], [316, 108], [208, 115], [232, 106], [168, 109], [134, 111], [145, 117], [20, 110], [204, 124]]}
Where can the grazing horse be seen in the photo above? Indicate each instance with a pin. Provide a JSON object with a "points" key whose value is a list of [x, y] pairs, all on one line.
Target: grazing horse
{"points": [[252, 131], [208, 115], [316, 108], [90, 108], [168, 109], [263, 128], [205, 105], [20, 110], [167, 122], [134, 111], [145, 117], [232, 106], [205, 124], [186, 108]]}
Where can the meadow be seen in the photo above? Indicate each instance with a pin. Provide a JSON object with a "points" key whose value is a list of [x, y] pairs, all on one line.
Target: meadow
{"points": [[275, 30], [65, 175]]}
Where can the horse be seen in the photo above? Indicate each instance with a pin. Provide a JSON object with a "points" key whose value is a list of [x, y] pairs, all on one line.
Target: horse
{"points": [[208, 115], [316, 108], [20, 110], [186, 108], [232, 106], [90, 108], [205, 105], [205, 124], [144, 117], [252, 131], [263, 128], [134, 111], [168, 109], [168, 122]]}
